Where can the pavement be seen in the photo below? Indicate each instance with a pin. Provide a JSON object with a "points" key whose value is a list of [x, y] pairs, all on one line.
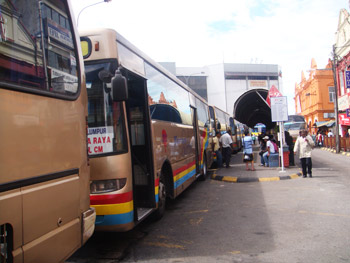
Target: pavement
{"points": [[237, 172]]}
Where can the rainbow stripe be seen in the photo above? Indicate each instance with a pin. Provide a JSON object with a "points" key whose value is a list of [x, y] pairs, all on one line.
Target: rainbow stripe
{"points": [[113, 209], [184, 173], [156, 190]]}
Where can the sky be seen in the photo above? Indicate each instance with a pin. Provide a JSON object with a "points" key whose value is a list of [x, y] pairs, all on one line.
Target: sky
{"points": [[196, 33]]}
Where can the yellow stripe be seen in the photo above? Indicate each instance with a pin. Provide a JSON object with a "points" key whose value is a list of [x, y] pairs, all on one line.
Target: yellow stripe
{"points": [[294, 176], [156, 190], [183, 173], [230, 179], [268, 179], [114, 209]]}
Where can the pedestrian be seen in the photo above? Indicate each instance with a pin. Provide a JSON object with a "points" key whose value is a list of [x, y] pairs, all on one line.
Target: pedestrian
{"points": [[248, 156], [253, 138], [290, 143], [227, 146], [330, 133], [217, 150], [320, 139], [262, 151], [303, 146], [270, 149], [347, 134]]}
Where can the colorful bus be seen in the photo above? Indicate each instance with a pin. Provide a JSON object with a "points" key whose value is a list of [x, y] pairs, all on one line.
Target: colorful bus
{"points": [[219, 119], [45, 213], [148, 133], [237, 134]]}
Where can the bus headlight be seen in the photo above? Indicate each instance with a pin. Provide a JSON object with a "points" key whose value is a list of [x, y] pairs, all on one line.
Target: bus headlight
{"points": [[105, 186]]}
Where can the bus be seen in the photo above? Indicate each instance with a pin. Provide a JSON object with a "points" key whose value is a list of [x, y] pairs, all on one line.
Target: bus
{"points": [[44, 173], [237, 134], [148, 133], [294, 124], [219, 119]]}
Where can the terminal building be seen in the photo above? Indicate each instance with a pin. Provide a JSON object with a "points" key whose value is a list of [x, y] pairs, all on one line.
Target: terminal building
{"points": [[225, 84]]}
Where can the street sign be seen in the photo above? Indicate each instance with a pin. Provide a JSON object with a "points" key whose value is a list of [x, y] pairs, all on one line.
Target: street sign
{"points": [[273, 92], [279, 109], [347, 77]]}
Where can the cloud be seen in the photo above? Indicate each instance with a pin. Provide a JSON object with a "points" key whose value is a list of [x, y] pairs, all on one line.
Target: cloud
{"points": [[197, 33]]}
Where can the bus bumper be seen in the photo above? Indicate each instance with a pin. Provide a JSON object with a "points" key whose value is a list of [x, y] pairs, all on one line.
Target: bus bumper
{"points": [[88, 227]]}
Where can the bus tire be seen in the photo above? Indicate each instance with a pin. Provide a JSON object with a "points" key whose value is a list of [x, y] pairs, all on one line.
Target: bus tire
{"points": [[204, 172], [162, 196]]}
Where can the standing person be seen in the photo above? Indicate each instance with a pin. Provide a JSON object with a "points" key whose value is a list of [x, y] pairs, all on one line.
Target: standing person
{"points": [[270, 149], [226, 143], [304, 145], [262, 151], [253, 138], [248, 157], [290, 143], [320, 139], [217, 150], [330, 133]]}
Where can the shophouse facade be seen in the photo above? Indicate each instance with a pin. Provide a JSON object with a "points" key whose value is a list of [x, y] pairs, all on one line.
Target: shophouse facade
{"points": [[315, 97], [342, 58]]}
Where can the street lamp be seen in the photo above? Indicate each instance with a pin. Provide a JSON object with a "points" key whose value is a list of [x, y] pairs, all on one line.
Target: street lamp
{"points": [[104, 1], [337, 144]]}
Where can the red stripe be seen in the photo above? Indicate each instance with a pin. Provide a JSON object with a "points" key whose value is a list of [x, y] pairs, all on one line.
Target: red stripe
{"points": [[156, 183], [183, 168], [110, 199]]}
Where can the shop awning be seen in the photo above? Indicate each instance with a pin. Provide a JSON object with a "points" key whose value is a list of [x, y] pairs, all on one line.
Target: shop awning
{"points": [[319, 123], [326, 123]]}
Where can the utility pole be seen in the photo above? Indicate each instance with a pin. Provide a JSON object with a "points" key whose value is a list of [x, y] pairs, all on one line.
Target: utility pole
{"points": [[337, 141]]}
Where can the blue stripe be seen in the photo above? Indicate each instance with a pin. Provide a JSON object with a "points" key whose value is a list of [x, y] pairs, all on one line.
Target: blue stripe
{"points": [[185, 178], [157, 198], [110, 220]]}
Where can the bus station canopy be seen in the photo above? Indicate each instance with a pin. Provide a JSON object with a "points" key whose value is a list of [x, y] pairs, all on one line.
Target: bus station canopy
{"points": [[251, 108]]}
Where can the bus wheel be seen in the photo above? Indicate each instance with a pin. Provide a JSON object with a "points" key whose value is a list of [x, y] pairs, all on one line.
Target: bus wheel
{"points": [[162, 193], [203, 175]]}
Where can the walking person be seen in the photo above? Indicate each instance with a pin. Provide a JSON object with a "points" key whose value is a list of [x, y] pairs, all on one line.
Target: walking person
{"points": [[262, 151], [303, 145], [248, 157], [217, 150], [227, 146]]}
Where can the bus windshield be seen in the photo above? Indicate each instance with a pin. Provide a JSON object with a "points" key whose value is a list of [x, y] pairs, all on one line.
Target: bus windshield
{"points": [[293, 126], [106, 125]]}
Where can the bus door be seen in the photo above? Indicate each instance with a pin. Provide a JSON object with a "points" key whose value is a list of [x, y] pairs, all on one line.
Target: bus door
{"points": [[141, 146], [195, 140]]}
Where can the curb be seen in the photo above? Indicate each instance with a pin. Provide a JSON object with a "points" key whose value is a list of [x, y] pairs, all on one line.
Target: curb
{"points": [[232, 179], [334, 151]]}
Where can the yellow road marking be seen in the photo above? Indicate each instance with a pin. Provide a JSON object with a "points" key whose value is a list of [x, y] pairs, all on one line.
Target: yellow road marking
{"points": [[159, 244], [198, 211], [268, 179], [293, 176], [196, 221], [230, 179], [323, 214], [235, 252]]}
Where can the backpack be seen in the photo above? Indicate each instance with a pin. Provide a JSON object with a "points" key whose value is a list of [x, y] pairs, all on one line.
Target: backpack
{"points": [[275, 146]]}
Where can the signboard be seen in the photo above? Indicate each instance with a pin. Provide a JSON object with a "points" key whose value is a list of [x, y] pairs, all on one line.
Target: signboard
{"points": [[100, 140], [343, 102], [258, 83], [343, 120], [273, 92], [347, 78], [279, 109], [62, 81], [60, 34]]}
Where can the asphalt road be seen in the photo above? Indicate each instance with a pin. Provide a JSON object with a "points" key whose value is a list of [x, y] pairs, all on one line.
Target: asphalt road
{"points": [[297, 220]]}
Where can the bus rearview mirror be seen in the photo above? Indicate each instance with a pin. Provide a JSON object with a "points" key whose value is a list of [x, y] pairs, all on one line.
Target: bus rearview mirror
{"points": [[119, 87]]}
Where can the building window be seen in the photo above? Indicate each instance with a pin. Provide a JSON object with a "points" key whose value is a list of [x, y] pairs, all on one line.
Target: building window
{"points": [[331, 92]]}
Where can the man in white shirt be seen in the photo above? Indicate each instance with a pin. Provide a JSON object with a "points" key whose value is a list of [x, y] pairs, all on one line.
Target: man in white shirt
{"points": [[270, 149], [226, 144], [330, 133]]}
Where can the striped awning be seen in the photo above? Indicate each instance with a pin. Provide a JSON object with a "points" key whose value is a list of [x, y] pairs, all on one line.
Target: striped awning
{"points": [[326, 123]]}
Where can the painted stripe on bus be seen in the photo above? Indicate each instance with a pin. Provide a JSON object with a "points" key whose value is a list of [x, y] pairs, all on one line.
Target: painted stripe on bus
{"points": [[114, 209], [104, 199], [110, 220], [186, 174], [156, 190]]}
